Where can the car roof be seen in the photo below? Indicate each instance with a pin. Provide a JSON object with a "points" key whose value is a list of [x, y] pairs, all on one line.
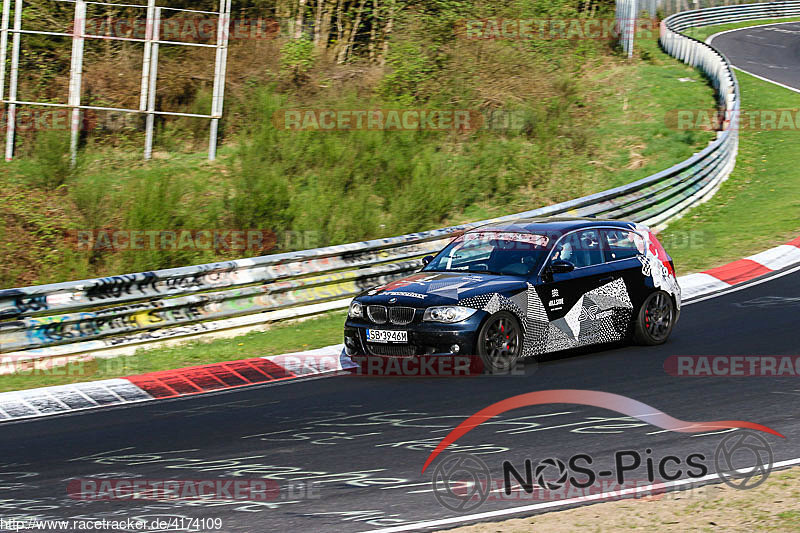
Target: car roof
{"points": [[551, 224]]}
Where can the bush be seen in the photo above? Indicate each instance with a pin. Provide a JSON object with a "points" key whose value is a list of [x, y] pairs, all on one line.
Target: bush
{"points": [[411, 69], [90, 194], [157, 202], [297, 58], [50, 160]]}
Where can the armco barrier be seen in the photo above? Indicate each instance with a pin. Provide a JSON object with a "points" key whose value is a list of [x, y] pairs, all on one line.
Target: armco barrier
{"points": [[76, 317]]}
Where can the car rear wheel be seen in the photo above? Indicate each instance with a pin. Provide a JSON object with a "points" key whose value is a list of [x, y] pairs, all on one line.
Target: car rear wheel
{"points": [[500, 342], [655, 319]]}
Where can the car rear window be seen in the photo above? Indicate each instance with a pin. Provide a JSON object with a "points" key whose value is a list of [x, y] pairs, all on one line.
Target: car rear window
{"points": [[623, 244]]}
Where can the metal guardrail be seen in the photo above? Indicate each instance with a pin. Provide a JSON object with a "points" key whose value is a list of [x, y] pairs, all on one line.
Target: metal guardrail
{"points": [[670, 7], [76, 317]]}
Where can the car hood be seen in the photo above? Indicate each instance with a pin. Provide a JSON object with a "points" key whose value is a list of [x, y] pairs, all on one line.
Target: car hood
{"points": [[424, 289]]}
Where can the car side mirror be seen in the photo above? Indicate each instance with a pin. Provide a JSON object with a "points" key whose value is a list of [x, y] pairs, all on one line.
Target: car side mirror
{"points": [[426, 260], [561, 266]]}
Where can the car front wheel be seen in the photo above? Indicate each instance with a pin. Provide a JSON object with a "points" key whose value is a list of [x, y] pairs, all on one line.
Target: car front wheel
{"points": [[655, 319], [500, 342]]}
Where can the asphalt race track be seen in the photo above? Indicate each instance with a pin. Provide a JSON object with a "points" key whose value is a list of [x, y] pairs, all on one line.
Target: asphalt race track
{"points": [[362, 441], [771, 51]]}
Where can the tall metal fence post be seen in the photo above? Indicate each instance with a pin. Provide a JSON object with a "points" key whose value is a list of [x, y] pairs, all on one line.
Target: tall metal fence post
{"points": [[3, 47], [147, 96], [148, 35], [151, 90], [634, 15], [220, 66], [11, 119], [75, 76]]}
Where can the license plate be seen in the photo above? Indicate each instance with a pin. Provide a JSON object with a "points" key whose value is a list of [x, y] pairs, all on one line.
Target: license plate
{"points": [[385, 336]]}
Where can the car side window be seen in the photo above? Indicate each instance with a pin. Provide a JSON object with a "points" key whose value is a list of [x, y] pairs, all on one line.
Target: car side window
{"points": [[581, 248], [622, 244]]}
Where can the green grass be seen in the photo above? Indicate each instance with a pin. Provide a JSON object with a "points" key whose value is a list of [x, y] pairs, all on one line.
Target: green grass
{"points": [[660, 84], [704, 33], [633, 139], [758, 207], [586, 124], [285, 338], [629, 101]]}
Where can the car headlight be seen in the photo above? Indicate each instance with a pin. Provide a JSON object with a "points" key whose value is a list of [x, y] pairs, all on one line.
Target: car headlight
{"points": [[356, 310], [448, 314]]}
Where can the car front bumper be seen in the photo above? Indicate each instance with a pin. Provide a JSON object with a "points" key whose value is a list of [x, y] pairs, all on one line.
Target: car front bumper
{"points": [[424, 338]]}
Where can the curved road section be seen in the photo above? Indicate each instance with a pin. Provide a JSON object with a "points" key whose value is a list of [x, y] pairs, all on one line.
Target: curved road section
{"points": [[771, 51], [346, 453]]}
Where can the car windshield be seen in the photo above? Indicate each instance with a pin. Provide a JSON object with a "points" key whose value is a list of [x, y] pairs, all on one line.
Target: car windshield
{"points": [[492, 252]]}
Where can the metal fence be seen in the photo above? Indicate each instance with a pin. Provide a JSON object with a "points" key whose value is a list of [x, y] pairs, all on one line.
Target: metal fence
{"points": [[629, 11], [72, 318], [671, 7], [155, 15]]}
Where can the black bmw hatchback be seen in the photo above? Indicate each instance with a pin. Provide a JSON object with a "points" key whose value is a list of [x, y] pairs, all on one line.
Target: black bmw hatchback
{"points": [[520, 289]]}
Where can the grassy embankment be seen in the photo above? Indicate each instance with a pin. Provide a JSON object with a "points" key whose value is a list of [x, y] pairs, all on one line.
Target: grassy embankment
{"points": [[759, 206], [585, 122], [626, 138]]}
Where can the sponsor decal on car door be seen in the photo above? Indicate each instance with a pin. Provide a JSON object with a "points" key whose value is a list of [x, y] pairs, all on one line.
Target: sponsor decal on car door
{"points": [[581, 304]]}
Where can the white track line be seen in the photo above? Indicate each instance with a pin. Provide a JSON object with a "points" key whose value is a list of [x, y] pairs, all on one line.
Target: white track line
{"points": [[711, 38], [561, 503], [743, 285], [633, 490], [765, 79]]}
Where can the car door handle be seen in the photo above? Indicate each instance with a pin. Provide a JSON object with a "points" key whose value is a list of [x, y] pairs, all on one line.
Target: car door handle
{"points": [[609, 279]]}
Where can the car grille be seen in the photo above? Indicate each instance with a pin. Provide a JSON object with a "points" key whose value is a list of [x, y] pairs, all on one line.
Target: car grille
{"points": [[392, 350], [377, 313], [399, 316]]}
